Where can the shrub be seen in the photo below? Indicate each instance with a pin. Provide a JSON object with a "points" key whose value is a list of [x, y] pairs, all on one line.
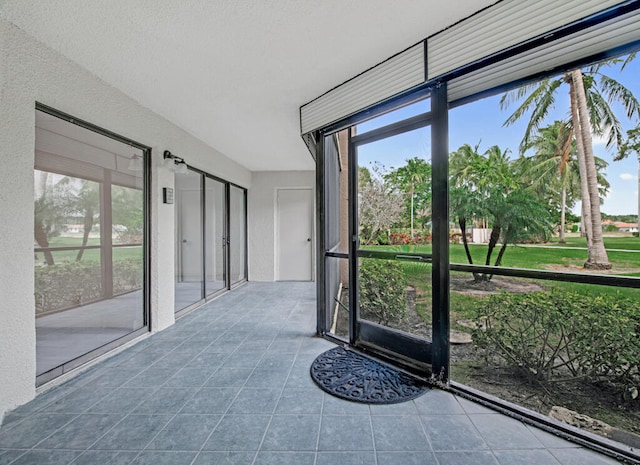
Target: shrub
{"points": [[563, 336], [68, 285], [383, 288]]}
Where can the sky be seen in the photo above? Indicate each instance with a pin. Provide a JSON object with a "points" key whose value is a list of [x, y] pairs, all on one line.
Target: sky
{"points": [[481, 122]]}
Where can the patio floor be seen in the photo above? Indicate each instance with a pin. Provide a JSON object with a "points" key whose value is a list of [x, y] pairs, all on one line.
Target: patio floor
{"points": [[230, 384]]}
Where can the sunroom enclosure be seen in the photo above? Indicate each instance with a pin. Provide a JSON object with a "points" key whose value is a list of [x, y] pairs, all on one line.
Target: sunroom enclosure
{"points": [[333, 127]]}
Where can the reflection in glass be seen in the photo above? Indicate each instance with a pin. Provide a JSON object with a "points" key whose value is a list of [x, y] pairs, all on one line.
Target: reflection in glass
{"points": [[237, 234], [189, 253], [88, 245], [215, 236]]}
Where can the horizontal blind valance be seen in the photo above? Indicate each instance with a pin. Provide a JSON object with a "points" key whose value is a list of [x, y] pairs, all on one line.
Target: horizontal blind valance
{"points": [[501, 26], [397, 74], [605, 36]]}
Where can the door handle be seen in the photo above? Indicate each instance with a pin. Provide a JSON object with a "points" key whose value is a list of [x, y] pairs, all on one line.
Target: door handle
{"points": [[308, 239]]}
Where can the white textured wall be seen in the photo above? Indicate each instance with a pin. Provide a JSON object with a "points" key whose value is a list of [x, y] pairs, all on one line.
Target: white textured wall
{"points": [[31, 72], [262, 217]]}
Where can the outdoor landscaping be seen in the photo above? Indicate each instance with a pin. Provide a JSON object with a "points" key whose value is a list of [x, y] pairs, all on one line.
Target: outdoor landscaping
{"points": [[543, 344]]}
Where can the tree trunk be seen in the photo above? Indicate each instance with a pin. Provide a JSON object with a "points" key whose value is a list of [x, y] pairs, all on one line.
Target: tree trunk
{"points": [[584, 188], [563, 209], [88, 225], [411, 211], [598, 258], [43, 242], [463, 227], [493, 240]]}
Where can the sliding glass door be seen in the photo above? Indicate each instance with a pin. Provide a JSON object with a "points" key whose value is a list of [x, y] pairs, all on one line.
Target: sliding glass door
{"points": [[210, 219], [90, 229], [379, 223], [215, 236]]}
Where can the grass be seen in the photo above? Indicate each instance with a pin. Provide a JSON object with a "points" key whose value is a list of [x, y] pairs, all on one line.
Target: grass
{"points": [[464, 306], [89, 255], [549, 256]]}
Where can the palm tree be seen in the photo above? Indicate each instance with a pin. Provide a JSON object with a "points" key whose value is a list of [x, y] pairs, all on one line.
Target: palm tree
{"points": [[632, 144], [590, 94], [413, 178], [488, 187]]}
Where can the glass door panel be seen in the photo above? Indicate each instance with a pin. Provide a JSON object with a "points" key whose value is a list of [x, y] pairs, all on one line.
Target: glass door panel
{"points": [[237, 234], [189, 282], [392, 249], [89, 246], [215, 236]]}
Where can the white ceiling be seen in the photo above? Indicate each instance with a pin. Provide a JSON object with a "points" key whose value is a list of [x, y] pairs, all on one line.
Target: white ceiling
{"points": [[233, 72]]}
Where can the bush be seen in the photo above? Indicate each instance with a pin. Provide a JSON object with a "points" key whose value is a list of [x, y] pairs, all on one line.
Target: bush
{"points": [[564, 336], [69, 285], [383, 288]]}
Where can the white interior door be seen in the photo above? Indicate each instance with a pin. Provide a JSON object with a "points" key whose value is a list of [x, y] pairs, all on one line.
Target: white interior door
{"points": [[190, 236], [294, 235]]}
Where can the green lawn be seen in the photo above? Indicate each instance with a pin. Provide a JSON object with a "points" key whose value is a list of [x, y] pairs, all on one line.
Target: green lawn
{"points": [[545, 257], [90, 255], [464, 306]]}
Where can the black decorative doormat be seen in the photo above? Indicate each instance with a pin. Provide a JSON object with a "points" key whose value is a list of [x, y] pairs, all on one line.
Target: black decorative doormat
{"points": [[349, 375]]}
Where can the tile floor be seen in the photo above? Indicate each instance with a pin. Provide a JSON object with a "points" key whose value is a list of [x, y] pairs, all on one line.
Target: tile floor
{"points": [[230, 384]]}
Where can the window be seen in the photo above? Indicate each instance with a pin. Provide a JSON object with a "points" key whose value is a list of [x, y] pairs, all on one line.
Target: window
{"points": [[89, 243]]}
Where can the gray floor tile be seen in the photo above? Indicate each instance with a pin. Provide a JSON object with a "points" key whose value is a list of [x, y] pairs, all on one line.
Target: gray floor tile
{"points": [[9, 455], [399, 433], [345, 433], [50, 457], [103, 457], [79, 400], [132, 433], [164, 458], [402, 408], [336, 406], [81, 432], [299, 376], [121, 400], [114, 377], [285, 458], [581, 457], [549, 440], [229, 377], [185, 432], [452, 432], [347, 458], [33, 429], [255, 401], [292, 433], [476, 457], [151, 377], [165, 400], [280, 362], [284, 346], [238, 432], [501, 432], [406, 458], [437, 402], [210, 400], [11, 419], [525, 457], [265, 378], [473, 407], [301, 401], [190, 377], [207, 360], [242, 359]]}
